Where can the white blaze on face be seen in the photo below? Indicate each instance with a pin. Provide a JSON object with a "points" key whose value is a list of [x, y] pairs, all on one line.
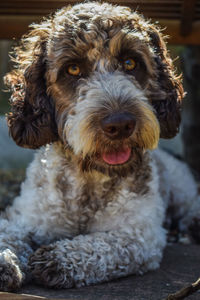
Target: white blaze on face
{"points": [[78, 133], [109, 93]]}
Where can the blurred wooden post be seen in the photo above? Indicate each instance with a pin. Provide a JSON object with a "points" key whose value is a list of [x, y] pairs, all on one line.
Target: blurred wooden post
{"points": [[181, 18], [187, 17], [4, 65], [191, 112]]}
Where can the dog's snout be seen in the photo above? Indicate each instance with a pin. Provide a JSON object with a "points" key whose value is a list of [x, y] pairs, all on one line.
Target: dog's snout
{"points": [[118, 125]]}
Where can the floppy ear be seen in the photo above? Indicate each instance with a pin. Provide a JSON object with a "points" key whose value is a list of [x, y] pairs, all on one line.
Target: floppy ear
{"points": [[167, 96], [31, 121]]}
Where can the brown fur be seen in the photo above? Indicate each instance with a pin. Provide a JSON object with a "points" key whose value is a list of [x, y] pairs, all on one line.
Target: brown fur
{"points": [[43, 93]]}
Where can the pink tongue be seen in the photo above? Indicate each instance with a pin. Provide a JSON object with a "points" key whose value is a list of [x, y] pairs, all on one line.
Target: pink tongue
{"points": [[117, 158]]}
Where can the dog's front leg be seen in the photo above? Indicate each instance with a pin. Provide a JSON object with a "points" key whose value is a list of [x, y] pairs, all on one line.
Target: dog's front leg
{"points": [[14, 253], [97, 257]]}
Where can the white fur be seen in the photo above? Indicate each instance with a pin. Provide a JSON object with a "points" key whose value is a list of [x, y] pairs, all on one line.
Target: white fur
{"points": [[123, 235], [89, 220]]}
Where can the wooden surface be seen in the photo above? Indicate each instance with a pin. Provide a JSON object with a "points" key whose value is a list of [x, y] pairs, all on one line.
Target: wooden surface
{"points": [[180, 17], [12, 296], [154, 8]]}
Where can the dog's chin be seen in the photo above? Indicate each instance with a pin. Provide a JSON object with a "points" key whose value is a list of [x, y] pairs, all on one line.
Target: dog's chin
{"points": [[114, 163]]}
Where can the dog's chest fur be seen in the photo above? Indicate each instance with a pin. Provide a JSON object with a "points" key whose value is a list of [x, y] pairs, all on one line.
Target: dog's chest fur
{"points": [[70, 203], [84, 197]]}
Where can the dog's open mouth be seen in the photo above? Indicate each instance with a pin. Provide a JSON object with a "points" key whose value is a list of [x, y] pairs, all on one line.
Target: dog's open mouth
{"points": [[117, 157]]}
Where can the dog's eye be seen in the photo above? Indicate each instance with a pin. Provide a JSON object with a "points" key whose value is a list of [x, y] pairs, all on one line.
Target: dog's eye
{"points": [[74, 70], [129, 64]]}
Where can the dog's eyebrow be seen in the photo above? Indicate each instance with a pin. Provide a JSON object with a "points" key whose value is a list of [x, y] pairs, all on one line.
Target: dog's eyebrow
{"points": [[68, 58], [128, 41], [131, 44]]}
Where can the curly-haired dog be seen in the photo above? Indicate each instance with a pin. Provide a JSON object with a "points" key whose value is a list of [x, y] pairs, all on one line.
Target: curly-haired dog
{"points": [[95, 84]]}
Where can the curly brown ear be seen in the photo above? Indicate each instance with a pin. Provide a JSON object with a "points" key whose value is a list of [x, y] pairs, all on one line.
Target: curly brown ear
{"points": [[167, 96], [31, 121]]}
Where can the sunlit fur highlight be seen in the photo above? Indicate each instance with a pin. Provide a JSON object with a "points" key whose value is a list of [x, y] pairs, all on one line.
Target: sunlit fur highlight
{"points": [[149, 134], [98, 221], [96, 32]]}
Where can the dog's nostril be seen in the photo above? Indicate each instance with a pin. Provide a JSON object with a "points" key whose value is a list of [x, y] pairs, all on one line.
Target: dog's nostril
{"points": [[111, 129], [129, 126], [118, 125]]}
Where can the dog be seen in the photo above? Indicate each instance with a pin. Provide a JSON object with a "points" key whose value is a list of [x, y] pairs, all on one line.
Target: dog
{"points": [[94, 89]]}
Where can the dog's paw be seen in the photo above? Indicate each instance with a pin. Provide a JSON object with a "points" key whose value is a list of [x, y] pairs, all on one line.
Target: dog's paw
{"points": [[10, 274], [47, 270], [194, 229]]}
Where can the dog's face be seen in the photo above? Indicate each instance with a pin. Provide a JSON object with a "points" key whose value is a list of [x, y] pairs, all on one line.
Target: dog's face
{"points": [[97, 77]]}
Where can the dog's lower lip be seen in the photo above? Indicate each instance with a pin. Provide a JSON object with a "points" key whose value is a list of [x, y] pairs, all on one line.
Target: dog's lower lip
{"points": [[117, 157]]}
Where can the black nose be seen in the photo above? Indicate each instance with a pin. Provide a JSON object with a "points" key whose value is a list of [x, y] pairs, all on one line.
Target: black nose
{"points": [[118, 125]]}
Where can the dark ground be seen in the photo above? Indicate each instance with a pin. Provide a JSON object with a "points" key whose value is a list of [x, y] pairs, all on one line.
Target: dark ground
{"points": [[180, 267]]}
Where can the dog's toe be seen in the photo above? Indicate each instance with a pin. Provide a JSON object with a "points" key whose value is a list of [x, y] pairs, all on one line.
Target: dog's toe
{"points": [[11, 276], [47, 270]]}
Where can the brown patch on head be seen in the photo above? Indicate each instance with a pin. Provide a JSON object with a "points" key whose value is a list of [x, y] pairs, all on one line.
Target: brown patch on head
{"points": [[98, 38], [108, 33]]}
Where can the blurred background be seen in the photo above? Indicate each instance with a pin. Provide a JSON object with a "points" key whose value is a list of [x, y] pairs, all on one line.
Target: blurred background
{"points": [[181, 22]]}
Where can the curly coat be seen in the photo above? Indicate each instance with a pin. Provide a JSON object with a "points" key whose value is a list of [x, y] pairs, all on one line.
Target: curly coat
{"points": [[33, 122], [95, 198]]}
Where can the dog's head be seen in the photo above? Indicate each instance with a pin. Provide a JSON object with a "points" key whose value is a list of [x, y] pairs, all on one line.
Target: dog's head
{"points": [[97, 77]]}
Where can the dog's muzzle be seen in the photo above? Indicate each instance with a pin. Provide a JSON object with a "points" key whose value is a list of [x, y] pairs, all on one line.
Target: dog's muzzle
{"points": [[118, 126]]}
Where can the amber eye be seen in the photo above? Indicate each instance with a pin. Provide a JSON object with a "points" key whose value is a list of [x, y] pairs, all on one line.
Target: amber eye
{"points": [[74, 70], [129, 64]]}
